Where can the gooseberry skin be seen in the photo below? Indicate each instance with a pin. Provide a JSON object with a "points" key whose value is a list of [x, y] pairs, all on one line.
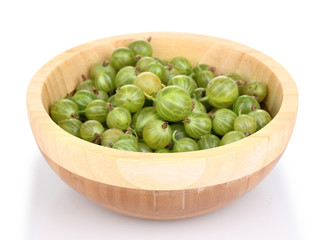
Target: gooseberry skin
{"points": [[71, 125], [141, 48], [104, 82], [182, 65], [126, 145], [245, 104], [198, 107], [185, 145], [144, 62], [63, 109], [119, 118], [245, 124], [91, 130], [223, 121], [157, 134], [97, 110], [261, 117], [180, 131], [256, 89], [173, 103], [158, 69], [197, 125], [184, 82], [144, 147], [231, 137], [208, 141], [122, 57], [83, 97], [86, 85], [112, 101], [204, 77], [129, 137], [102, 66], [222, 92], [143, 117], [101, 95], [130, 97], [201, 67], [125, 76], [163, 150], [111, 136], [238, 79], [148, 82]]}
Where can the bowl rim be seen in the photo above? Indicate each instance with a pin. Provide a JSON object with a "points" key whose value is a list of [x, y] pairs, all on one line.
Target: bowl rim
{"points": [[286, 115]]}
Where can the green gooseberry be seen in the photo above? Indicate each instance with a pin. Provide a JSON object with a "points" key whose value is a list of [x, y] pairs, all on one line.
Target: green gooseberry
{"points": [[158, 69], [101, 95], [161, 61], [204, 77], [130, 97], [104, 82], [102, 67], [129, 137], [97, 110], [182, 65], [197, 125], [83, 97], [200, 95], [148, 82], [71, 125], [239, 81], [222, 92], [245, 104], [144, 147], [86, 84], [157, 134], [179, 130], [231, 137], [143, 117], [184, 82], [223, 121], [125, 76], [126, 145], [91, 131], [198, 106], [118, 117], [63, 109], [112, 101], [257, 89], [141, 48], [170, 73], [185, 145], [208, 141], [111, 136], [202, 67], [122, 57], [173, 103], [261, 117], [245, 124], [163, 150], [144, 62]]}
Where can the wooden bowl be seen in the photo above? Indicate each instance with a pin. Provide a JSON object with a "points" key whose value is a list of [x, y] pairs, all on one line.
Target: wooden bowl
{"points": [[173, 185]]}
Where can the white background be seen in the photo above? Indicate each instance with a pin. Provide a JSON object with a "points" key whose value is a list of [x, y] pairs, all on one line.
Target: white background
{"points": [[36, 204]]}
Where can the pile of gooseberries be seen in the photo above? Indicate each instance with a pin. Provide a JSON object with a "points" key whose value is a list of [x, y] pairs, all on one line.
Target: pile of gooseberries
{"points": [[137, 102]]}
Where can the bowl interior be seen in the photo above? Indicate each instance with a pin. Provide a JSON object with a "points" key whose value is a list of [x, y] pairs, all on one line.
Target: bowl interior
{"points": [[224, 55]]}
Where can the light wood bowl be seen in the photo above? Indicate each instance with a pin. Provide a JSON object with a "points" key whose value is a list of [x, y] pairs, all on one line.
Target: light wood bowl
{"points": [[173, 185]]}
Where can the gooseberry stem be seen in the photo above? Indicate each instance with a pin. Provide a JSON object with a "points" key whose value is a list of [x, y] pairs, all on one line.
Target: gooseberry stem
{"points": [[173, 137], [165, 125], [83, 77], [105, 63], [75, 115], [131, 131], [211, 115], [97, 138], [150, 97], [203, 99], [109, 106]]}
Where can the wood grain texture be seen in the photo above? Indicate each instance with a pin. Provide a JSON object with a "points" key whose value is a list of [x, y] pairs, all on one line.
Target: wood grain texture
{"points": [[164, 172]]}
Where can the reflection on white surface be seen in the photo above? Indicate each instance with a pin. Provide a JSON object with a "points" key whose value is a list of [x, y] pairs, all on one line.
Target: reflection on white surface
{"points": [[58, 212]]}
